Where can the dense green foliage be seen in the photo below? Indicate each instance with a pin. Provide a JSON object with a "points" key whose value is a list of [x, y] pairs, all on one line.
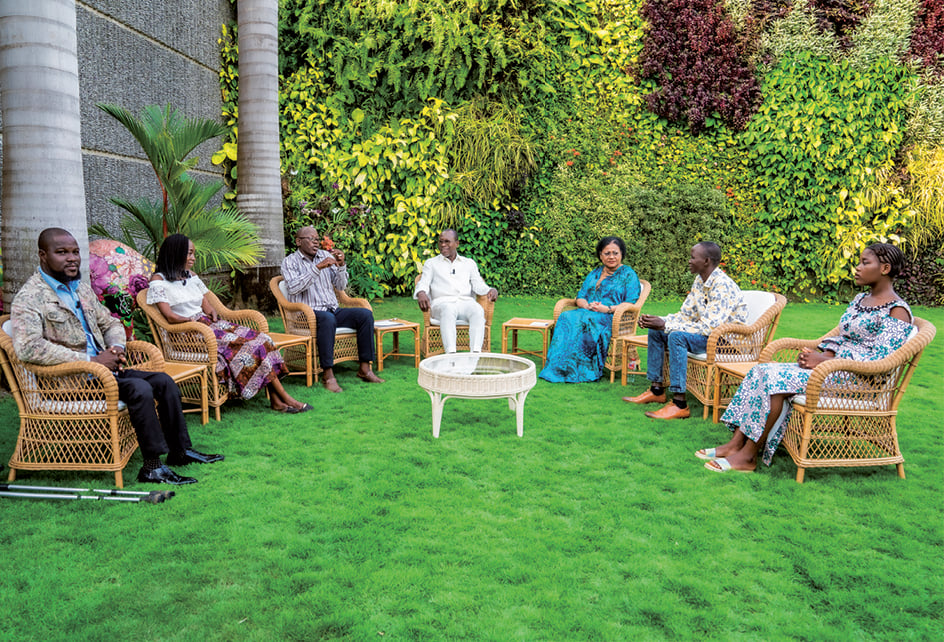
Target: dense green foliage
{"points": [[658, 225], [509, 112], [823, 130]]}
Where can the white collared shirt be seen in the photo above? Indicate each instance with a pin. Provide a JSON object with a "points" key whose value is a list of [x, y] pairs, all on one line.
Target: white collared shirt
{"points": [[445, 280]]}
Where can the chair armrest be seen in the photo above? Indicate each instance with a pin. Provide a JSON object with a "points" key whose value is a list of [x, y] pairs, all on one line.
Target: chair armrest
{"points": [[488, 306], [250, 318], [56, 389], [736, 342], [298, 318], [625, 318], [849, 381], [347, 301], [143, 356], [787, 349], [188, 338], [562, 306]]}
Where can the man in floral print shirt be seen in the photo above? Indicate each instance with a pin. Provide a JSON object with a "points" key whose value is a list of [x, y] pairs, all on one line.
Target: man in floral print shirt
{"points": [[713, 300]]}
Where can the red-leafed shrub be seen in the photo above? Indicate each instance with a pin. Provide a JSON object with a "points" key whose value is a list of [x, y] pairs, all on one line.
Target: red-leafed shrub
{"points": [[693, 55], [840, 17], [758, 19], [927, 39]]}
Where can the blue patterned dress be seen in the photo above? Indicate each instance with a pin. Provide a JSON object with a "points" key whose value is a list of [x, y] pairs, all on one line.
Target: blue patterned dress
{"points": [[865, 334], [582, 337]]}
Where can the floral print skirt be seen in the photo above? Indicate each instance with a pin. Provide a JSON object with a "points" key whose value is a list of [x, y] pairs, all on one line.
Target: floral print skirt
{"points": [[750, 406], [247, 360]]}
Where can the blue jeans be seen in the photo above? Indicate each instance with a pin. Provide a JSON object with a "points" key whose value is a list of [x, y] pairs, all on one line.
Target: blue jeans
{"points": [[679, 344]]}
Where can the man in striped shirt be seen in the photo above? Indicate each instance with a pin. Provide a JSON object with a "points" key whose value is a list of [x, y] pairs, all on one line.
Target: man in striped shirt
{"points": [[311, 276]]}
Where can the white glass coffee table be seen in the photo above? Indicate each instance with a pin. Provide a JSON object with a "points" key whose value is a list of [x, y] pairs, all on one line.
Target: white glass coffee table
{"points": [[481, 375]]}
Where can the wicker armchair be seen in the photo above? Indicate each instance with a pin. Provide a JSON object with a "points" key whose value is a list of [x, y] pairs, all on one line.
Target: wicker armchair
{"points": [[194, 343], [625, 318], [847, 415], [300, 320], [70, 416], [733, 343], [730, 344], [432, 337]]}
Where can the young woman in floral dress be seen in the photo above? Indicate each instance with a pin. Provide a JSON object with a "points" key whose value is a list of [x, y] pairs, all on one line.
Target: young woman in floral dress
{"points": [[874, 325]]}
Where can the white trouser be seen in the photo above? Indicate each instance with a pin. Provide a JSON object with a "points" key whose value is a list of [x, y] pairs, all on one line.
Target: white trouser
{"points": [[469, 311]]}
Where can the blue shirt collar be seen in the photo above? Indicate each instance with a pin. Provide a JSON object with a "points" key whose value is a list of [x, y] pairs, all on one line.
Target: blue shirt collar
{"points": [[72, 287]]}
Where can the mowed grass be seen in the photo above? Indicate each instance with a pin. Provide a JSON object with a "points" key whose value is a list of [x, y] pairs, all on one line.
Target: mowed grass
{"points": [[353, 523]]}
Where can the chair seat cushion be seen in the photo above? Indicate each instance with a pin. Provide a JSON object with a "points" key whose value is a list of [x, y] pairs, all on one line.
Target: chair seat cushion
{"points": [[71, 407], [459, 324], [701, 356], [836, 403]]}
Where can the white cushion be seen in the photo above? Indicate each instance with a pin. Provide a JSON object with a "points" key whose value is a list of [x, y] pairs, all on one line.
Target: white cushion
{"points": [[459, 324], [75, 407], [701, 356], [836, 403], [758, 302], [8, 327]]}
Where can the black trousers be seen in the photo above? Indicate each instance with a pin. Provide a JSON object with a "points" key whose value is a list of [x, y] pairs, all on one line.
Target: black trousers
{"points": [[360, 319], [158, 432]]}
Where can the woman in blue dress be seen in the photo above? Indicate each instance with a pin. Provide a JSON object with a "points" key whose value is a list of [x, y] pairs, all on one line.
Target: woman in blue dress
{"points": [[874, 325], [582, 336]]}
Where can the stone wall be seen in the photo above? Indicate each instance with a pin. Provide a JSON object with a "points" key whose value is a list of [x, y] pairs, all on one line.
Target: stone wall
{"points": [[135, 53]]}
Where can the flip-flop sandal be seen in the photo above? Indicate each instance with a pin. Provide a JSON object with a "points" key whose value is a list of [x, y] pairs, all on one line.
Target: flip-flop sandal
{"points": [[707, 453], [724, 466], [292, 410]]}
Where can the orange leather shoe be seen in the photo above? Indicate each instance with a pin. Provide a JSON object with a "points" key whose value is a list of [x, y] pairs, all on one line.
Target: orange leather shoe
{"points": [[646, 397], [669, 411]]}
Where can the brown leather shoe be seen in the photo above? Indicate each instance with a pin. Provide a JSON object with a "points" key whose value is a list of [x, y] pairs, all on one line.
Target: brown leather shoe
{"points": [[669, 411], [331, 385], [646, 397]]}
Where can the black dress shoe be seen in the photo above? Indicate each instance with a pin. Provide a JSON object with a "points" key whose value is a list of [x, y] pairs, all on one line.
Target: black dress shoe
{"points": [[192, 457], [163, 475]]}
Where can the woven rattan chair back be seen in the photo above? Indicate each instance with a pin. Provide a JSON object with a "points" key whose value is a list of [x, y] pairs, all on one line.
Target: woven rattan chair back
{"points": [[70, 416]]}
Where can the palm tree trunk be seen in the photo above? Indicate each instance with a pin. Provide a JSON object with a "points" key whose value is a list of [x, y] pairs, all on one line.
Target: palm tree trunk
{"points": [[42, 144], [259, 189]]}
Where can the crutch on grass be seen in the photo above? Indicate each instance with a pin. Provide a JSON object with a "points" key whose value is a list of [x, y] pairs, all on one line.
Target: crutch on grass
{"points": [[57, 492]]}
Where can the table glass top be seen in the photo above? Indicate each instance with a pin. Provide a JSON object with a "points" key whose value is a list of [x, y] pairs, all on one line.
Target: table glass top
{"points": [[467, 363]]}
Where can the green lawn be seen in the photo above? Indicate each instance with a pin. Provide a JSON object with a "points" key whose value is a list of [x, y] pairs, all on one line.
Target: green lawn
{"points": [[353, 523]]}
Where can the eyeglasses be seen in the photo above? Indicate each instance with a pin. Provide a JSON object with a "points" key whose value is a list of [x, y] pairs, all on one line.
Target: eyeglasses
{"points": [[308, 238], [612, 253]]}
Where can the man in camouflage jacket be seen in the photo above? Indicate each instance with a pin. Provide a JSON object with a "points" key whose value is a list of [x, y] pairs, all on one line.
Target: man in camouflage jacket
{"points": [[57, 319]]}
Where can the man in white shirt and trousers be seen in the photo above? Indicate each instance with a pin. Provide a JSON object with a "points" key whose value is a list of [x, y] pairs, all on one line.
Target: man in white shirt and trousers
{"points": [[447, 287]]}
